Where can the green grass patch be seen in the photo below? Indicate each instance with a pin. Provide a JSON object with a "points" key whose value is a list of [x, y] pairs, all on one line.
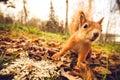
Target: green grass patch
{"points": [[5, 27], [107, 47], [48, 36], [5, 59]]}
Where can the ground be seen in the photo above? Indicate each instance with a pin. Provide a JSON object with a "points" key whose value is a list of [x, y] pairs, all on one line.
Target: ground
{"points": [[28, 57]]}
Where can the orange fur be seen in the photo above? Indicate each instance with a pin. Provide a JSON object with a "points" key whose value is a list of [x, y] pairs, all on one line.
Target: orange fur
{"points": [[83, 33]]}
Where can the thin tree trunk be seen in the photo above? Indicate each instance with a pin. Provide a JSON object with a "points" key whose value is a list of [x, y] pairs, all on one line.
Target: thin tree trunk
{"points": [[25, 11], [25, 14], [66, 21]]}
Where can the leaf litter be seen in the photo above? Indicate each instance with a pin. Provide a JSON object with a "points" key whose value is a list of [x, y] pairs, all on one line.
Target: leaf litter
{"points": [[32, 61]]}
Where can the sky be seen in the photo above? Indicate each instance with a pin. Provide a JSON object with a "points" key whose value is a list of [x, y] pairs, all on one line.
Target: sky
{"points": [[41, 8]]}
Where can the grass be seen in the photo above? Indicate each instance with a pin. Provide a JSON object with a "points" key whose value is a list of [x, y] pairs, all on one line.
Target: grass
{"points": [[107, 47], [30, 31], [36, 33], [5, 59], [19, 30], [48, 36]]}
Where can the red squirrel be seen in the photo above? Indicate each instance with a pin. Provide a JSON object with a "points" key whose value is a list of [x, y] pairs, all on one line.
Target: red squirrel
{"points": [[83, 33]]}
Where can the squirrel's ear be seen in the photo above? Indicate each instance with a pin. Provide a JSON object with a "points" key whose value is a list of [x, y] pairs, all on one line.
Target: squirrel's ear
{"points": [[82, 18], [100, 21]]}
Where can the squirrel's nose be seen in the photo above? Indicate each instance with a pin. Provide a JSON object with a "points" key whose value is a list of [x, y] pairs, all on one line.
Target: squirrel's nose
{"points": [[96, 35]]}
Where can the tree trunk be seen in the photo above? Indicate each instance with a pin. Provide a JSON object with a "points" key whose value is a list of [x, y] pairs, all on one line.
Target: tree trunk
{"points": [[25, 11], [66, 21], [25, 14]]}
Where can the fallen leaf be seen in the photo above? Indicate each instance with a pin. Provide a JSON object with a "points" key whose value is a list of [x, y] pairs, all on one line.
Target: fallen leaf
{"points": [[101, 70]]}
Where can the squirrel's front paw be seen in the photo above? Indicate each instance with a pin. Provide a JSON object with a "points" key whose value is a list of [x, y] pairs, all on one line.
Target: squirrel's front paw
{"points": [[80, 65], [56, 56]]}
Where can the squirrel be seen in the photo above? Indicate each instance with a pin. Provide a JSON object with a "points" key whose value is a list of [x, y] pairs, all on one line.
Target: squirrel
{"points": [[83, 33]]}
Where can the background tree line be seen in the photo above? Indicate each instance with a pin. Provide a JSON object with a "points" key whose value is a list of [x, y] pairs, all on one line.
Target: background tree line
{"points": [[53, 24]]}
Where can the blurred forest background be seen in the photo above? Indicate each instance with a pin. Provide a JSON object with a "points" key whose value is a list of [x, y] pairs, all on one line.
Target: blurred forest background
{"points": [[17, 15]]}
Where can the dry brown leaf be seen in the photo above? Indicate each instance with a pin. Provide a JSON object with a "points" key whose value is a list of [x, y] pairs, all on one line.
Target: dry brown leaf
{"points": [[101, 70]]}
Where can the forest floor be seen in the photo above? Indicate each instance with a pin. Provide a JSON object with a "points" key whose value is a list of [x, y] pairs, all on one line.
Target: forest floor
{"points": [[28, 57]]}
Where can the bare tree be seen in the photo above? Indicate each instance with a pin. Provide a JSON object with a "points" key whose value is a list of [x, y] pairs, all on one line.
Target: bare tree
{"points": [[66, 21], [25, 11], [23, 14]]}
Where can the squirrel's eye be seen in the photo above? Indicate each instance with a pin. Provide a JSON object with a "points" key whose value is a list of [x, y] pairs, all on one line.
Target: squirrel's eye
{"points": [[85, 26]]}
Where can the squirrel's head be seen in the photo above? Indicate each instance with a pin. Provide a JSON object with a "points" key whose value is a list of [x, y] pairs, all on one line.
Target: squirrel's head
{"points": [[89, 30]]}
